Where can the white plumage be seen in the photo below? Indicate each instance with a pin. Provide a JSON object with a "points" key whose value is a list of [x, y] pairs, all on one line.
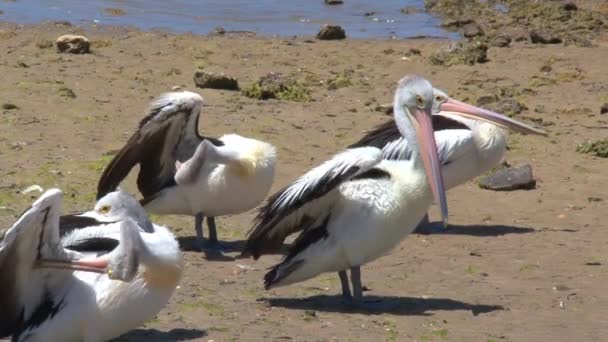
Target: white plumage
{"points": [[142, 269], [182, 172]]}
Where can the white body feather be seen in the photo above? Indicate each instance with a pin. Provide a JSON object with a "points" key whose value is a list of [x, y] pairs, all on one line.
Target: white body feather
{"points": [[223, 189], [89, 306], [369, 217]]}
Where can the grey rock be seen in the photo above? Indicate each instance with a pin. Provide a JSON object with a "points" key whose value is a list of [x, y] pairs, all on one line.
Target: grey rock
{"points": [[472, 30], [509, 179], [331, 32], [460, 53], [508, 106], [204, 79], [73, 44], [500, 41], [456, 23], [485, 100], [544, 37], [410, 10]]}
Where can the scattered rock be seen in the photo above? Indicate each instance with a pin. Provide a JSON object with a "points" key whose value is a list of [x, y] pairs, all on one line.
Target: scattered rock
{"points": [[509, 179], [277, 86], [62, 23], [508, 106], [569, 6], [577, 40], [500, 41], [9, 106], [204, 79], [546, 68], [485, 100], [369, 14], [456, 23], [386, 108], [460, 53], [73, 44], [218, 31], [604, 108], [413, 52], [598, 148], [66, 92], [410, 10], [472, 30], [115, 12], [544, 37], [331, 32], [334, 2], [594, 199]]}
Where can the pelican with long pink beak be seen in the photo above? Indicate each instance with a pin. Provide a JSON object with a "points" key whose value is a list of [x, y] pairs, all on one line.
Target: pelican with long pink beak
{"points": [[357, 206], [470, 140]]}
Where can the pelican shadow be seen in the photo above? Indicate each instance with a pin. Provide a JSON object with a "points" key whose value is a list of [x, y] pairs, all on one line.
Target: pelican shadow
{"points": [[472, 230], [410, 306], [190, 244], [154, 335]]}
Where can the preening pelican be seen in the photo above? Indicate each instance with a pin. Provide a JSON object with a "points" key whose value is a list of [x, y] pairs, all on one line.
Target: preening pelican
{"points": [[467, 145], [182, 172], [100, 275]]}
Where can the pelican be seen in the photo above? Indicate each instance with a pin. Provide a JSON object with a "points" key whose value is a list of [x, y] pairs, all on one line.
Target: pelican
{"points": [[467, 145], [182, 172], [358, 205], [81, 282]]}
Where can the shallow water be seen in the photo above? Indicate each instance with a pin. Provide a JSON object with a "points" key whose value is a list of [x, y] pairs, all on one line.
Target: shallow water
{"points": [[265, 17]]}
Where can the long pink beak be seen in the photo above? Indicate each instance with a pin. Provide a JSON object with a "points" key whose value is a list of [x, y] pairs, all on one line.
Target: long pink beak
{"points": [[476, 113], [430, 158], [96, 265]]}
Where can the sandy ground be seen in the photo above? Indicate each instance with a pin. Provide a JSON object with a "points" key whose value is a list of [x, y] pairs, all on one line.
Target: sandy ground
{"points": [[515, 266]]}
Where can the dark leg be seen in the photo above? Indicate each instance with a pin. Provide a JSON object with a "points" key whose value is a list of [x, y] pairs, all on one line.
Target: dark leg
{"points": [[355, 278], [345, 286], [198, 225], [212, 230], [212, 245]]}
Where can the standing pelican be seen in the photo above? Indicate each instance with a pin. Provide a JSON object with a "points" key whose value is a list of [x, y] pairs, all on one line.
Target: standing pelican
{"points": [[182, 172], [355, 207], [358, 205], [80, 282], [467, 145]]}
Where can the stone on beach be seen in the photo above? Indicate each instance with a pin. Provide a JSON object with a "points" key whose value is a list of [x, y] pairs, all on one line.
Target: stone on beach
{"points": [[73, 44], [509, 179], [205, 79], [331, 32]]}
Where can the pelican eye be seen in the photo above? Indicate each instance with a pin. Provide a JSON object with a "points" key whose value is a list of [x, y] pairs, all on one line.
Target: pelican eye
{"points": [[105, 209], [439, 98], [419, 101]]}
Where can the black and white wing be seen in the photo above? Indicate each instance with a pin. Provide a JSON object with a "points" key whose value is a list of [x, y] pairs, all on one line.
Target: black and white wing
{"points": [[25, 299], [169, 132], [307, 200], [387, 137]]}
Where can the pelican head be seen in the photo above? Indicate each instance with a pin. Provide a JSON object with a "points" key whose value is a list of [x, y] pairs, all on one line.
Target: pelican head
{"points": [[117, 206], [413, 107], [121, 263]]}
